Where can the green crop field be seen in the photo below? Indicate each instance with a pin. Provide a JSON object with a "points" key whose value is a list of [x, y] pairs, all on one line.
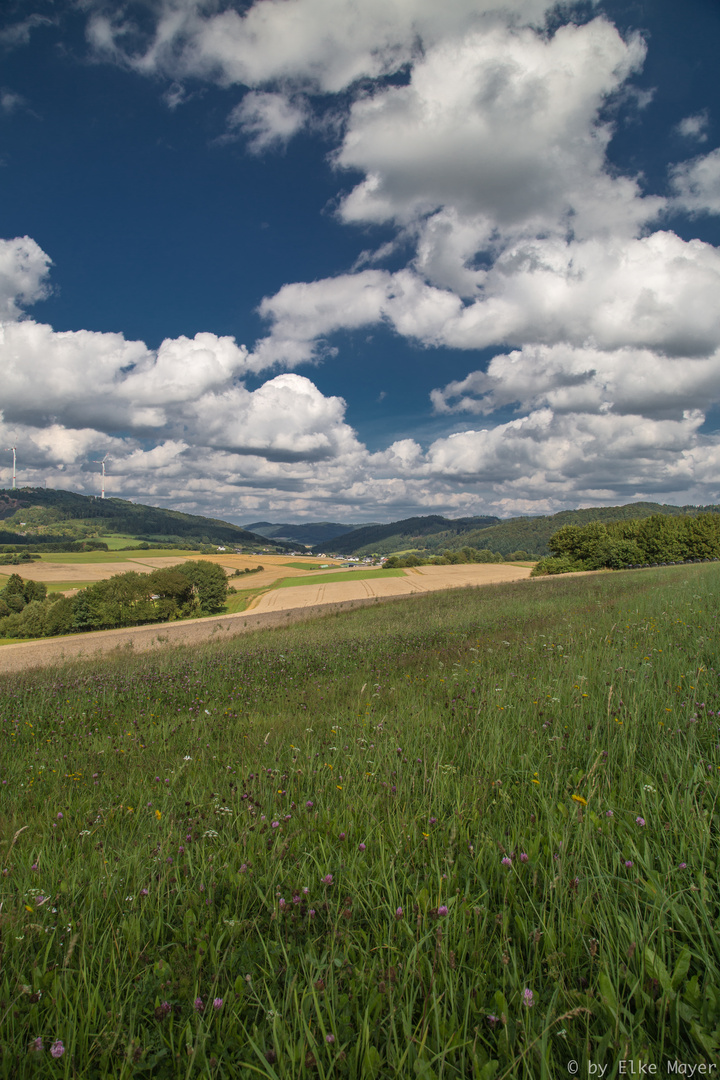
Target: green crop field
{"points": [[74, 558], [341, 575], [470, 834], [304, 565], [119, 540]]}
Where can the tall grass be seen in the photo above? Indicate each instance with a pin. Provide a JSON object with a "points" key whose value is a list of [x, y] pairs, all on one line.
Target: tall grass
{"points": [[466, 834]]}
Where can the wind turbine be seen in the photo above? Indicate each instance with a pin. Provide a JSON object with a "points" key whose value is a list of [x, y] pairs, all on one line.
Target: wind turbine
{"points": [[13, 448], [102, 496]]}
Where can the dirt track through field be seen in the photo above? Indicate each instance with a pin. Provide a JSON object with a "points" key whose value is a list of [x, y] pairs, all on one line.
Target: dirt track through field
{"points": [[296, 605]]}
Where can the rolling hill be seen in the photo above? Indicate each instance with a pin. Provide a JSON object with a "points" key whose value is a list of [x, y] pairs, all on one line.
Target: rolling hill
{"points": [[415, 532], [308, 533], [34, 516], [433, 534]]}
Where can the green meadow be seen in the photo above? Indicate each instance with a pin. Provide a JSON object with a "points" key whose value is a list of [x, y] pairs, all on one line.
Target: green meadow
{"points": [[470, 834], [76, 558]]}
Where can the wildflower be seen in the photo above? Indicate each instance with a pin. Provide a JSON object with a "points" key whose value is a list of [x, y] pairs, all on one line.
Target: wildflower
{"points": [[311, 912], [57, 1049], [276, 825], [640, 821], [579, 799], [342, 835], [166, 1007], [442, 910], [609, 813], [34, 866], [282, 902], [528, 998], [60, 817], [330, 1038], [158, 815], [433, 821], [309, 804], [37, 1044], [506, 861], [399, 913], [143, 892], [492, 1019], [198, 1005], [217, 1004], [327, 880], [524, 856], [628, 863], [361, 847], [682, 866]]}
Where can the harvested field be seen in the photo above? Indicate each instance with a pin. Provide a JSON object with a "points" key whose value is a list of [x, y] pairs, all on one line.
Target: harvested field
{"points": [[72, 572], [55, 570], [416, 580]]}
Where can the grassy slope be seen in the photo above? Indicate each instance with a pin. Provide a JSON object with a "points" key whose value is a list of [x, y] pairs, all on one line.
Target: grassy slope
{"points": [[566, 726]]}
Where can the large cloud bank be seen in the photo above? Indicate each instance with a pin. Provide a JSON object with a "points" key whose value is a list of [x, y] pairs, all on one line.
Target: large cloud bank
{"points": [[481, 139]]}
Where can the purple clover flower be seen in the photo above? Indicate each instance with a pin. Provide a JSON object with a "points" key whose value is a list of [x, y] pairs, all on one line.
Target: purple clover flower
{"points": [[57, 1049], [528, 1001]]}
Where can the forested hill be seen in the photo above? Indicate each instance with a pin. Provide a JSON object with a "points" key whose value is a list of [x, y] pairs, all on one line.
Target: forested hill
{"points": [[530, 534], [415, 532], [32, 515], [311, 532]]}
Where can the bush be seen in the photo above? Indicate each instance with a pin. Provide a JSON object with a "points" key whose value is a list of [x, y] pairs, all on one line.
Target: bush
{"points": [[556, 564]]}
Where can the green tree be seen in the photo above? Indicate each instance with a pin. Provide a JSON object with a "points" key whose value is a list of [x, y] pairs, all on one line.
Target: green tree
{"points": [[33, 619], [209, 583], [59, 617], [34, 590], [14, 593]]}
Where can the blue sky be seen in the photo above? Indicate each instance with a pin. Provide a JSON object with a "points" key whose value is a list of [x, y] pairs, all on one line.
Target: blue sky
{"points": [[323, 259]]}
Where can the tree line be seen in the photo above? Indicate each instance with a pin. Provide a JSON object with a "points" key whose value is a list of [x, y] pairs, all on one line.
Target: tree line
{"points": [[177, 592], [656, 540], [454, 558]]}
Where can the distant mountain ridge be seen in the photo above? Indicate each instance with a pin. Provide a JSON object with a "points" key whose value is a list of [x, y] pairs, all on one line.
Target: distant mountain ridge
{"points": [[311, 532], [51, 514], [382, 539], [434, 533]]}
